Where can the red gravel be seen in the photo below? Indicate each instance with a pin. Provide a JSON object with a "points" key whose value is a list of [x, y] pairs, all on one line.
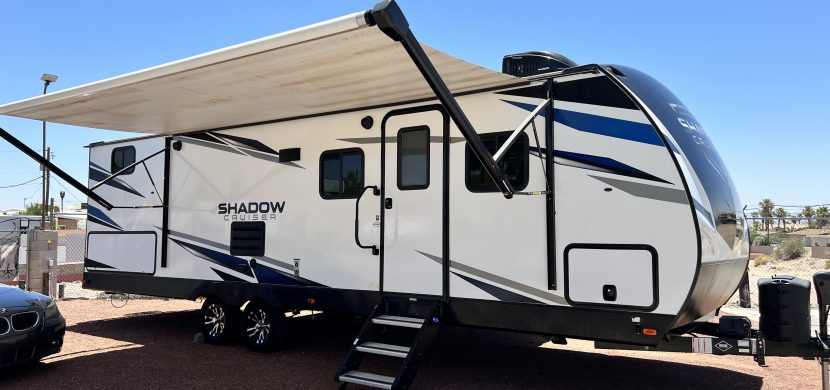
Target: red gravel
{"points": [[148, 344]]}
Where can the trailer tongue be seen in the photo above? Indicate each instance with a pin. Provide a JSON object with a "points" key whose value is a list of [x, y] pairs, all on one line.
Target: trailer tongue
{"points": [[785, 328]]}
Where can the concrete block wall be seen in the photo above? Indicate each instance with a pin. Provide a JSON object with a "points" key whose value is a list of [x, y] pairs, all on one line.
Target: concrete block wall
{"points": [[43, 249]]}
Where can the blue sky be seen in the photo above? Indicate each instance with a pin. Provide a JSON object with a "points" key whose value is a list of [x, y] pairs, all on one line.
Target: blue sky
{"points": [[754, 73]]}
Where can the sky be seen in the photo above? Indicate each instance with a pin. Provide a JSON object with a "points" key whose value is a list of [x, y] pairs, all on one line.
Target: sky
{"points": [[753, 72]]}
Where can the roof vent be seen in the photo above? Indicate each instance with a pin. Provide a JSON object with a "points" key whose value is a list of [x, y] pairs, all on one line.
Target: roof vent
{"points": [[534, 62]]}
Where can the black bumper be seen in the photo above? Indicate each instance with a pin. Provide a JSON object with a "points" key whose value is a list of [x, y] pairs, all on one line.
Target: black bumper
{"points": [[32, 345]]}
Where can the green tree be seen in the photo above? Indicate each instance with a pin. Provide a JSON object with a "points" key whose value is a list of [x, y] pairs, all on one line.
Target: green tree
{"points": [[822, 216], [33, 209], [755, 224], [807, 212], [766, 211], [782, 215]]}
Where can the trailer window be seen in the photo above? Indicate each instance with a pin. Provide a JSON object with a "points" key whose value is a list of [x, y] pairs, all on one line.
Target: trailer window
{"points": [[341, 173], [514, 164], [122, 157], [413, 158]]}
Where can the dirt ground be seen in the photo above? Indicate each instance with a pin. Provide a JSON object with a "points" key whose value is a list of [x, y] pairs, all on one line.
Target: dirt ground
{"points": [[803, 267], [149, 344]]}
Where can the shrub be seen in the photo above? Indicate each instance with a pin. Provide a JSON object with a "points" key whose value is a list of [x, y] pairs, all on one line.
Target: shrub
{"points": [[761, 239], [789, 249], [763, 259], [827, 264]]}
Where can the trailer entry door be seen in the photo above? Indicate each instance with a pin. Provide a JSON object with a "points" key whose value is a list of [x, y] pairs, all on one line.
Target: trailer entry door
{"points": [[413, 190]]}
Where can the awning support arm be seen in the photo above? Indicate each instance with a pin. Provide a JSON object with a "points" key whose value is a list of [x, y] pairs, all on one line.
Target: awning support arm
{"points": [[127, 168], [54, 169], [512, 139], [391, 20]]}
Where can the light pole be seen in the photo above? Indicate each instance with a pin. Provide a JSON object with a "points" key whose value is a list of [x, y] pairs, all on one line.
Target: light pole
{"points": [[47, 79], [62, 194]]}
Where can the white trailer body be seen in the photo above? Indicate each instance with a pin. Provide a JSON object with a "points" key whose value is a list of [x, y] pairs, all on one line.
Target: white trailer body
{"points": [[315, 169]]}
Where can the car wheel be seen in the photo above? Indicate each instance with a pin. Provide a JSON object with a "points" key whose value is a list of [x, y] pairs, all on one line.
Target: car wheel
{"points": [[219, 321], [263, 327]]}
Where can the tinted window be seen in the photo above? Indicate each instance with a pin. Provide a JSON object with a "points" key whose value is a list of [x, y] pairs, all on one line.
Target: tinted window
{"points": [[514, 164], [341, 173], [413, 158], [122, 157]]}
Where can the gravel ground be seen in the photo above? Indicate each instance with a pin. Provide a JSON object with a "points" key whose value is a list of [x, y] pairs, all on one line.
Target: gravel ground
{"points": [[803, 268], [149, 344]]}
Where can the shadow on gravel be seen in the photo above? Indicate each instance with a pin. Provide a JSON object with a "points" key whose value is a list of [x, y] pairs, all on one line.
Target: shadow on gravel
{"points": [[459, 359]]}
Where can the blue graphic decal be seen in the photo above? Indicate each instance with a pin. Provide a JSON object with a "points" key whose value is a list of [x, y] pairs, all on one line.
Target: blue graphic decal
{"points": [[227, 277], [611, 127], [101, 175], [525, 106], [601, 125], [269, 275], [228, 261], [98, 216], [603, 164], [607, 164]]}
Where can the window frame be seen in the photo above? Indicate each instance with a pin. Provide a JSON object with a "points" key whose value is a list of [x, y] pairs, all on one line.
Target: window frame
{"points": [[112, 159], [400, 155], [340, 153], [525, 155]]}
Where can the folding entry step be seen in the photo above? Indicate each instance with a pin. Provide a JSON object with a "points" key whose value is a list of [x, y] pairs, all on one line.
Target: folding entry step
{"points": [[382, 335]]}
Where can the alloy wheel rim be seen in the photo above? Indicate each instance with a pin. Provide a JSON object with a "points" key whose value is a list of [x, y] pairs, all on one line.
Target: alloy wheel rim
{"points": [[258, 326], [215, 320]]}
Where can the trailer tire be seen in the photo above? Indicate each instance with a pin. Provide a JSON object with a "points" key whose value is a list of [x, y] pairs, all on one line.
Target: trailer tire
{"points": [[218, 321], [264, 327]]}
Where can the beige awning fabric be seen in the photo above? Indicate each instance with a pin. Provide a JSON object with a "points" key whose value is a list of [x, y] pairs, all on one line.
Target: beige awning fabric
{"points": [[337, 65]]}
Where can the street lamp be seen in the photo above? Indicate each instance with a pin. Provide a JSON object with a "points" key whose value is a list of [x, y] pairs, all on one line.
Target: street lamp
{"points": [[47, 79]]}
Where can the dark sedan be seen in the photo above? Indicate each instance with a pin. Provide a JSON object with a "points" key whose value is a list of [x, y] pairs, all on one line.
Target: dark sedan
{"points": [[31, 326]]}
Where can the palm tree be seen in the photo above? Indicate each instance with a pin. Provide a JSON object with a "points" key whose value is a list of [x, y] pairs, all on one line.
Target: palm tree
{"points": [[808, 213], [782, 215], [822, 215], [766, 211], [755, 223]]}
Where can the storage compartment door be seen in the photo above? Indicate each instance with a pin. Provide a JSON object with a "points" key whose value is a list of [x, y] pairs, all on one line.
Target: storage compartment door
{"points": [[121, 251], [611, 275]]}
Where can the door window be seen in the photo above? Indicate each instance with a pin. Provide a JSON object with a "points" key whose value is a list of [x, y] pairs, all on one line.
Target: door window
{"points": [[413, 158]]}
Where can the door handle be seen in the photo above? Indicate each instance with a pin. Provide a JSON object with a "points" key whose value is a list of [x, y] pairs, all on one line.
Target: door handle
{"points": [[375, 192], [387, 203]]}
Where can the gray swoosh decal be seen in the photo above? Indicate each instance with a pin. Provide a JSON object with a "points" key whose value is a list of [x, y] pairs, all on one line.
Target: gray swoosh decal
{"points": [[245, 152], [647, 190], [500, 280]]}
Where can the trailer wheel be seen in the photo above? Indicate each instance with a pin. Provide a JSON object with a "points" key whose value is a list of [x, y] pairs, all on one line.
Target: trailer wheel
{"points": [[218, 321], [263, 327]]}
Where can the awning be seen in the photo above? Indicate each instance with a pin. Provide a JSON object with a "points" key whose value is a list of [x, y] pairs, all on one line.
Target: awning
{"points": [[337, 65]]}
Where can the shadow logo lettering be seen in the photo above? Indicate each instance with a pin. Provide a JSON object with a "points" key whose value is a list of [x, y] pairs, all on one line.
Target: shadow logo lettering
{"points": [[251, 211]]}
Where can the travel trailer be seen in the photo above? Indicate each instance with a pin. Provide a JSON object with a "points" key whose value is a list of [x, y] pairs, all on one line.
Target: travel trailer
{"points": [[344, 166]]}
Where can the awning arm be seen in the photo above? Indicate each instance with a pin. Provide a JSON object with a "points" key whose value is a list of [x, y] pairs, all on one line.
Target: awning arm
{"points": [[127, 168], [391, 20], [54, 169], [510, 140]]}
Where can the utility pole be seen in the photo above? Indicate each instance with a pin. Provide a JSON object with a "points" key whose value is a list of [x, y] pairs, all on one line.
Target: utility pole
{"points": [[47, 79]]}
